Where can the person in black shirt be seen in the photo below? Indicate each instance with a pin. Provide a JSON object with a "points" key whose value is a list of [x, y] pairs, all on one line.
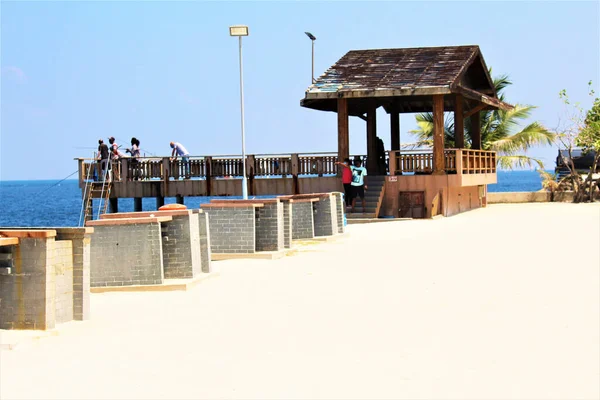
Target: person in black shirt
{"points": [[103, 157]]}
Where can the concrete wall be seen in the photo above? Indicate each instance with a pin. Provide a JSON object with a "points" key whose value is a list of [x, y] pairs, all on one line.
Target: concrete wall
{"points": [[205, 248], [441, 197], [287, 224], [27, 294], [269, 227], [62, 263], [232, 229], [124, 255], [527, 197], [303, 220], [43, 279], [80, 239], [340, 209], [181, 247], [325, 216]]}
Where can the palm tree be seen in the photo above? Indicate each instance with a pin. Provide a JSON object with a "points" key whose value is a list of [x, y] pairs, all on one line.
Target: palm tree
{"points": [[497, 131]]}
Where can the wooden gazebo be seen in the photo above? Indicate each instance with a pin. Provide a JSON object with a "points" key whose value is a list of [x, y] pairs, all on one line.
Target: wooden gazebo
{"points": [[411, 80]]}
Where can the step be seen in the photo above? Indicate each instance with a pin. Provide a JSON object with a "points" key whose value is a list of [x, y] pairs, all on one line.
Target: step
{"points": [[361, 215]]}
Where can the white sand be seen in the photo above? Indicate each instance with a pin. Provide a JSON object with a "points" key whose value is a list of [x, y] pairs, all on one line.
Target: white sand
{"points": [[493, 303]]}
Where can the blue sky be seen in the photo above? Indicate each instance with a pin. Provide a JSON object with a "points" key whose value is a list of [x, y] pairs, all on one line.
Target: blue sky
{"points": [[74, 72]]}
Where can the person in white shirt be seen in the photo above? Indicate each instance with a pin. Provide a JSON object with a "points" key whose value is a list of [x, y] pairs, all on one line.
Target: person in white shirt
{"points": [[179, 150]]}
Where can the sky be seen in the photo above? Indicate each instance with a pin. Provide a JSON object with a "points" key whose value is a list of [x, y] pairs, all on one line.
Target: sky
{"points": [[75, 72]]}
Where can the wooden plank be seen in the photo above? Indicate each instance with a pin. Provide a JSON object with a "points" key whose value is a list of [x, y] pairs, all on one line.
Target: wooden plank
{"points": [[232, 205], [438, 135], [9, 241], [476, 131], [29, 233], [343, 137], [459, 122], [474, 110]]}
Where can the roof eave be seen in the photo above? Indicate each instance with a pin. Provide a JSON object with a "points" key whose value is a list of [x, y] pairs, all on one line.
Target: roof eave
{"points": [[419, 91]]}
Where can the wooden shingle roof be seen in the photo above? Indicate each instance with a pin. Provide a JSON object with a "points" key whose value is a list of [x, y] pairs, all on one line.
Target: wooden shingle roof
{"points": [[406, 78]]}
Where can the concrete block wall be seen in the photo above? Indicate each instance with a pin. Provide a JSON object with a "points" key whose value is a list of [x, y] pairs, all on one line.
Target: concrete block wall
{"points": [[122, 255], [205, 248], [80, 239], [61, 261], [27, 293], [269, 227], [325, 216], [181, 247], [287, 224], [232, 229], [340, 209], [303, 220]]}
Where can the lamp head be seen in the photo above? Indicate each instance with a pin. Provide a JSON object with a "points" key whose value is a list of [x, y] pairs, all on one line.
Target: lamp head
{"points": [[238, 30], [310, 36]]}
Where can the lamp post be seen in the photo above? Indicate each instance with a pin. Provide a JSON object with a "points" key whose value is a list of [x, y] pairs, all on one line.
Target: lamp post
{"points": [[312, 39], [239, 31]]}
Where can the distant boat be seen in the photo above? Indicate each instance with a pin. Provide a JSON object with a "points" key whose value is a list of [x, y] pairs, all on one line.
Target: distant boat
{"points": [[582, 162]]}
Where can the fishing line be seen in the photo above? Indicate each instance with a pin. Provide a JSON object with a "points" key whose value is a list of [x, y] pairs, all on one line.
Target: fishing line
{"points": [[50, 187]]}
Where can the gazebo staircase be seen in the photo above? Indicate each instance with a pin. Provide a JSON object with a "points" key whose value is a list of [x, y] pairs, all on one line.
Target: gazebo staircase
{"points": [[373, 196]]}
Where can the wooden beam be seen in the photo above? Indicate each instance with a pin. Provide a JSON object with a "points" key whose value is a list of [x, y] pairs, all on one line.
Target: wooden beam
{"points": [[438, 135], [459, 122], [475, 110], [395, 128], [343, 137], [372, 139], [363, 117], [476, 131]]}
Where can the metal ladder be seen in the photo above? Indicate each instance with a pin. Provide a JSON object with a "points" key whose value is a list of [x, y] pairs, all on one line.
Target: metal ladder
{"points": [[99, 190]]}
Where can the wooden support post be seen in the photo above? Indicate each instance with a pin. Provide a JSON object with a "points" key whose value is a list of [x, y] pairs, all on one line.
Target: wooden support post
{"points": [[179, 199], [343, 136], [476, 131], [166, 173], [137, 204], [459, 161], [208, 169], [439, 167], [124, 169], [395, 130], [250, 163], [459, 122], [113, 202], [160, 201], [82, 176], [392, 157], [372, 167], [295, 172]]}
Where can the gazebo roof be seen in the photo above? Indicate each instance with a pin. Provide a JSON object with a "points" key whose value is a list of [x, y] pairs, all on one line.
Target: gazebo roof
{"points": [[405, 80]]}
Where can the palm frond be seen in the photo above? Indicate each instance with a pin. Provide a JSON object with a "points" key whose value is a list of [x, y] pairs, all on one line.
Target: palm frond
{"points": [[534, 134], [518, 161]]}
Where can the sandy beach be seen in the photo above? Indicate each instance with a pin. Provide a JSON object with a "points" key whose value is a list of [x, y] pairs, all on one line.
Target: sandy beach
{"points": [[502, 302]]}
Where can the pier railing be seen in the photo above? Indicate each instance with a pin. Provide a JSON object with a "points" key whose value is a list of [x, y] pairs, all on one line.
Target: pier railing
{"points": [[462, 161]]}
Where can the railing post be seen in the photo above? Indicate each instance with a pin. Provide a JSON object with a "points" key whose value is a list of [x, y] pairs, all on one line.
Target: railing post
{"points": [[208, 174], [81, 165], [250, 163], [124, 169], [458, 161], [392, 161], [320, 166], [166, 172], [295, 172]]}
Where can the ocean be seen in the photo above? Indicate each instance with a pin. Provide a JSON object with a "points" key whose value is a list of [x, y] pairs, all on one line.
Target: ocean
{"points": [[54, 203]]}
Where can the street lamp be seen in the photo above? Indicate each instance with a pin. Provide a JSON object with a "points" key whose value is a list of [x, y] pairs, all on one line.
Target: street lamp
{"points": [[239, 31], [312, 39]]}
